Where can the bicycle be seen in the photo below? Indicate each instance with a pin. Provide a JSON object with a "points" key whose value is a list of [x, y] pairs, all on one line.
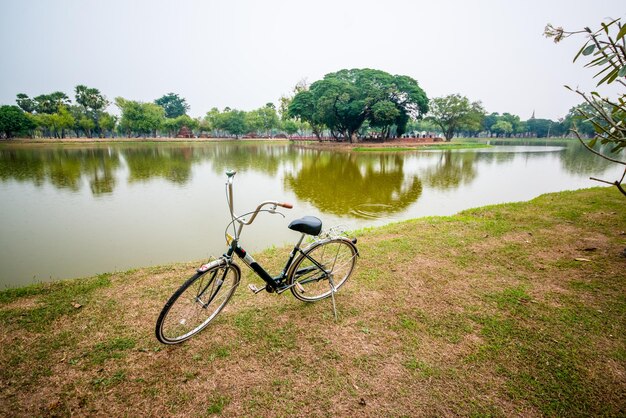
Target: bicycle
{"points": [[312, 273]]}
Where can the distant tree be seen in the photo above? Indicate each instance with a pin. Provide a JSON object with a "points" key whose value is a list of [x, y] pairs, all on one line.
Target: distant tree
{"points": [[90, 98], [539, 127], [107, 124], [27, 104], [173, 104], [472, 125], [86, 124], [174, 125], [489, 121], [234, 122], [50, 103], [450, 113], [574, 120], [140, 118], [515, 122], [60, 121], [267, 118], [93, 104], [290, 126], [13, 121], [211, 119], [502, 128]]}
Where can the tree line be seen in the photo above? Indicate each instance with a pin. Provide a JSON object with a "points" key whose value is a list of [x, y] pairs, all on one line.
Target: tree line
{"points": [[347, 105]]}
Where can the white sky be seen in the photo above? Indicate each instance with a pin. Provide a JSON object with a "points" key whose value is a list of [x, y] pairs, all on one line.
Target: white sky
{"points": [[245, 53]]}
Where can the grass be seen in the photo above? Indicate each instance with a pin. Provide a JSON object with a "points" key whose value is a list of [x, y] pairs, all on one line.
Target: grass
{"points": [[485, 313]]}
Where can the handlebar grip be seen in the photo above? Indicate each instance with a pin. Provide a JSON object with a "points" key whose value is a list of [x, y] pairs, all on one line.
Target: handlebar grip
{"points": [[286, 205]]}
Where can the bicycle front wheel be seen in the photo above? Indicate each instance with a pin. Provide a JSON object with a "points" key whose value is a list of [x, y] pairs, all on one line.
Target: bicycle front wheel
{"points": [[196, 303], [325, 262]]}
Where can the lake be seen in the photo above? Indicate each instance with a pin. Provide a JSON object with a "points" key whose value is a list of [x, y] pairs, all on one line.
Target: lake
{"points": [[77, 210]]}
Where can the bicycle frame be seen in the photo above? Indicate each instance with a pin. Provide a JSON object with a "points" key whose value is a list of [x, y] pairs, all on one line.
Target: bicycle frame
{"points": [[273, 284]]}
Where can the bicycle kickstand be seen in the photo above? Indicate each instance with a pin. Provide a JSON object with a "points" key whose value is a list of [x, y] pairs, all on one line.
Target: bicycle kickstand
{"points": [[332, 294]]}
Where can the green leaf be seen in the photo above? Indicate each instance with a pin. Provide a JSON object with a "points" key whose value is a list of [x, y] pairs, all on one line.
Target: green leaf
{"points": [[580, 51], [592, 143], [622, 71], [589, 49], [622, 33]]}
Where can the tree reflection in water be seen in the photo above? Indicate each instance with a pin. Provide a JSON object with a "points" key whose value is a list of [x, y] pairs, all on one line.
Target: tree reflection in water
{"points": [[62, 167], [361, 185]]}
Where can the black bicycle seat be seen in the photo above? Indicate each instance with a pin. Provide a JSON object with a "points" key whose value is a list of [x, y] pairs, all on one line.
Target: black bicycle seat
{"points": [[307, 225]]}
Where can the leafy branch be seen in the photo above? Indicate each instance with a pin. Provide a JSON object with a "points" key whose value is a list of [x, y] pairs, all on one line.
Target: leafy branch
{"points": [[608, 117]]}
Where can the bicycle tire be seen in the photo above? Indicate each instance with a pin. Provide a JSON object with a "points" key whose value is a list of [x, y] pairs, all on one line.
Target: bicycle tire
{"points": [[337, 254], [197, 302]]}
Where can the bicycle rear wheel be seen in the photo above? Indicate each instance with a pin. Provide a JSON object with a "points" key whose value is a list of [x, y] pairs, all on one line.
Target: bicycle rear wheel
{"points": [[196, 303], [333, 258]]}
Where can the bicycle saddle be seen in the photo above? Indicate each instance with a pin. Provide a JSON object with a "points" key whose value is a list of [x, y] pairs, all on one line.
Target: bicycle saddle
{"points": [[307, 225]]}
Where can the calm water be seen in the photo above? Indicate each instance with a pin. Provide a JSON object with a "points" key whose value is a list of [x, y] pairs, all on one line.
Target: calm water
{"points": [[69, 211]]}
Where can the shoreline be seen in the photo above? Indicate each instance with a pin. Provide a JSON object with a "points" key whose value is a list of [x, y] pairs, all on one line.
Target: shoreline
{"points": [[324, 144]]}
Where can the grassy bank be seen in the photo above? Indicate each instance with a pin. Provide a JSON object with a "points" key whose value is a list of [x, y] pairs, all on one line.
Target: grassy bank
{"points": [[508, 310]]}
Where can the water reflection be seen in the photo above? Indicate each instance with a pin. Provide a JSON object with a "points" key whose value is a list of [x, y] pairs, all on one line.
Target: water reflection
{"points": [[64, 168], [146, 163], [451, 170], [363, 185]]}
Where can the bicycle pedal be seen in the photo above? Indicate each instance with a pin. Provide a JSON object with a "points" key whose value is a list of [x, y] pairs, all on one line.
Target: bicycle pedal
{"points": [[255, 289], [300, 288]]}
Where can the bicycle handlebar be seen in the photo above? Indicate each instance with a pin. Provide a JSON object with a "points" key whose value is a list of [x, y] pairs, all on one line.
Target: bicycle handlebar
{"points": [[229, 185]]}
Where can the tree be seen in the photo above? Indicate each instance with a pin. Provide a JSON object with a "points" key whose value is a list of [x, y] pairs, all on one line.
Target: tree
{"points": [[60, 121], [90, 99], [173, 104], [451, 113], [50, 103], [13, 121], [473, 122], [502, 127], [140, 118], [107, 124], [539, 127], [489, 121], [343, 101], [233, 121], [263, 119], [290, 126], [93, 104], [27, 104], [606, 49], [573, 120]]}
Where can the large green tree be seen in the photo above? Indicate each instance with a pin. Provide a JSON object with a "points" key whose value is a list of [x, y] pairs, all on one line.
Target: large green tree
{"points": [[13, 121], [343, 101], [173, 104]]}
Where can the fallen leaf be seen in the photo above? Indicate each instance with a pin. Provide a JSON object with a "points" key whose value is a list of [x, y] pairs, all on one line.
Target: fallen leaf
{"points": [[76, 305], [581, 259]]}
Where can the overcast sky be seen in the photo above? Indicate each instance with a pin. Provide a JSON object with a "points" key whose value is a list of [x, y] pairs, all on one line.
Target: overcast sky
{"points": [[245, 53]]}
